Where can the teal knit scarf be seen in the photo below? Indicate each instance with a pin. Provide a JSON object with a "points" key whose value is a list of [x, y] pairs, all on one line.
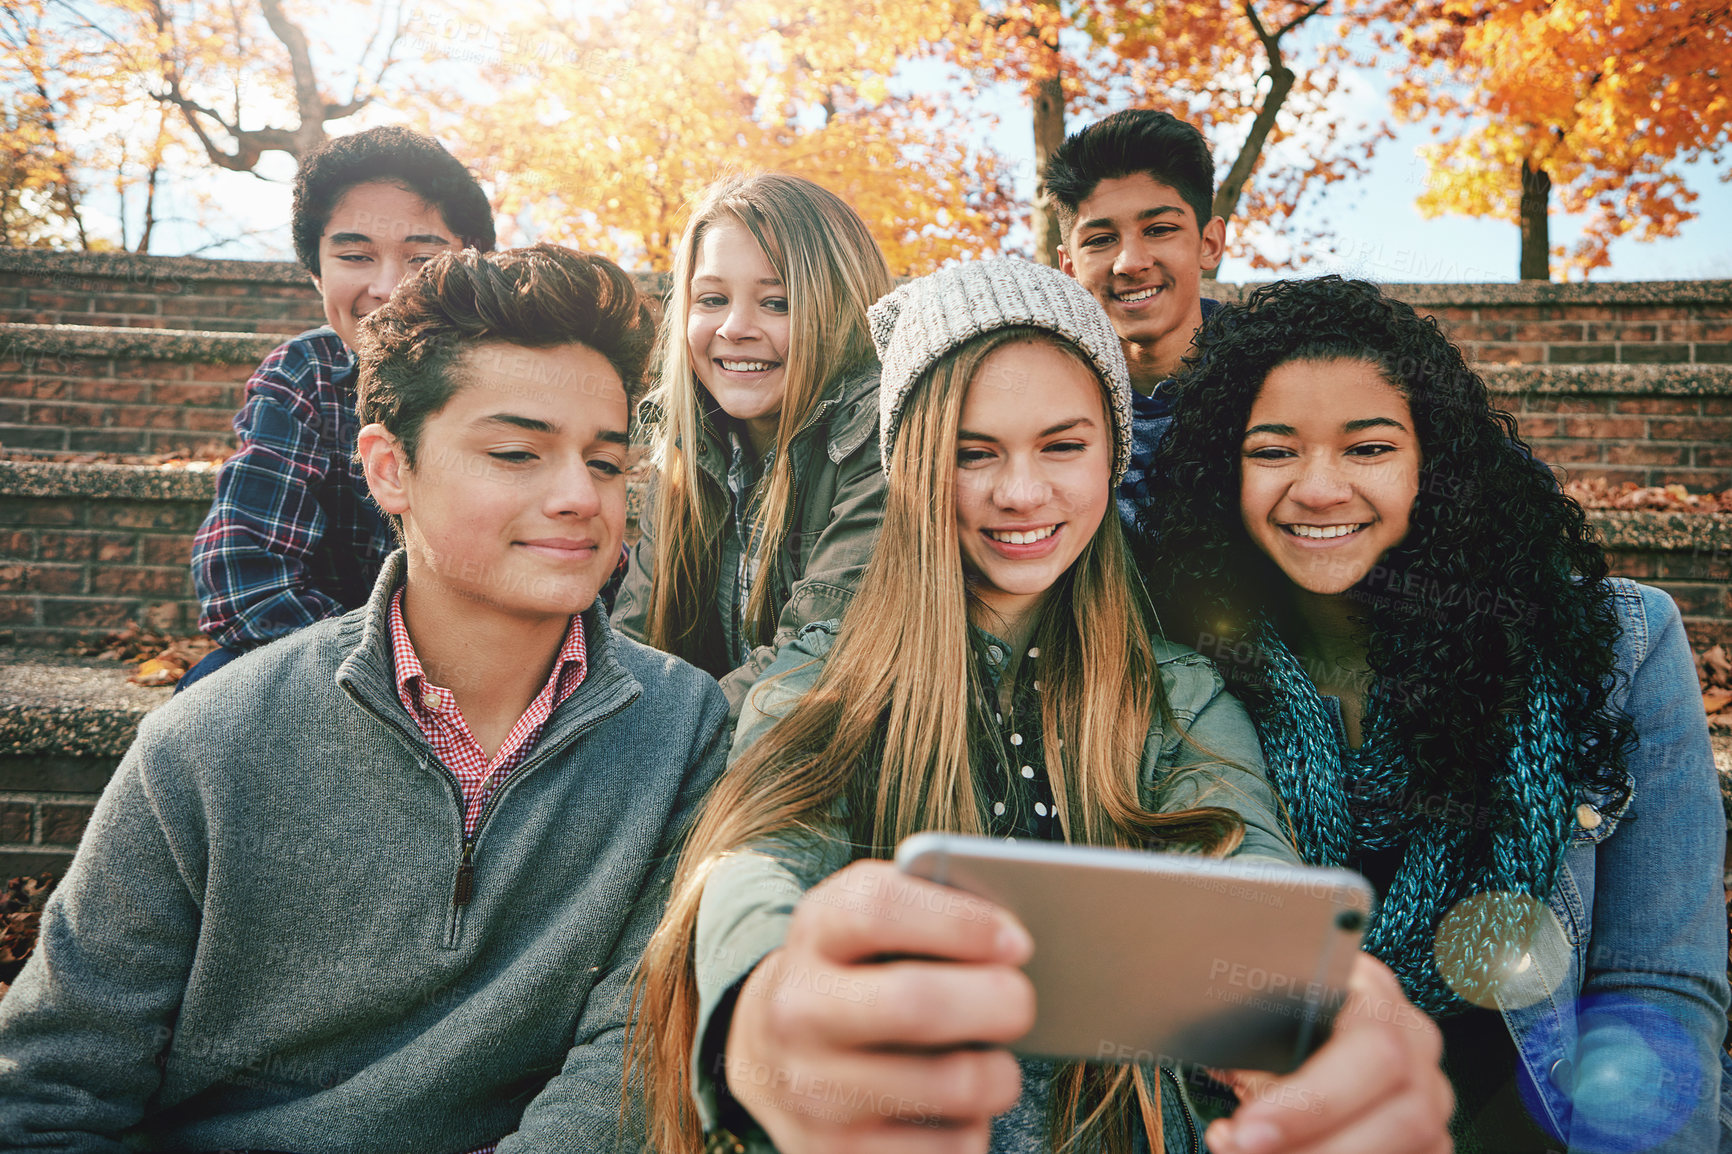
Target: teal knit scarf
{"points": [[1346, 802]]}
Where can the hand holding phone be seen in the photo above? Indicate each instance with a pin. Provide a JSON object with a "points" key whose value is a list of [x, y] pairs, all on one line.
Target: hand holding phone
{"points": [[1377, 1084], [1163, 957], [879, 1025]]}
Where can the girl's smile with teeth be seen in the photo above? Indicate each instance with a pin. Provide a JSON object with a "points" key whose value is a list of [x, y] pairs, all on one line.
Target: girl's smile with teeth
{"points": [[1324, 532], [1022, 536], [746, 366]]}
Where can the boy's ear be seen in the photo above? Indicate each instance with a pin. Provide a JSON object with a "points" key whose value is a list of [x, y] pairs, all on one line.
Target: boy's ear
{"points": [[1064, 262], [1214, 243], [385, 463]]}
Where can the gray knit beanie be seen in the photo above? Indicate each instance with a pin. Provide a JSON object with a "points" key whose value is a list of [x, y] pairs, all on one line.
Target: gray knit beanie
{"points": [[926, 318]]}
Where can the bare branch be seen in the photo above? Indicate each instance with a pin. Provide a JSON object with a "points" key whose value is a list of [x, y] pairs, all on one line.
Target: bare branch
{"points": [[308, 101], [1310, 11], [356, 100], [1268, 41]]}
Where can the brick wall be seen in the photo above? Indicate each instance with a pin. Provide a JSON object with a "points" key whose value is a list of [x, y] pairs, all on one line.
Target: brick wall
{"points": [[123, 390], [1586, 334], [1624, 323], [86, 550], [44, 807], [125, 291], [1651, 424], [1700, 582]]}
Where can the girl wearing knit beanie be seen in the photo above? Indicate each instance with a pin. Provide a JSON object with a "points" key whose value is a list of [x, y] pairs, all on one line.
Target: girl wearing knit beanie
{"points": [[998, 673], [1457, 701], [767, 495]]}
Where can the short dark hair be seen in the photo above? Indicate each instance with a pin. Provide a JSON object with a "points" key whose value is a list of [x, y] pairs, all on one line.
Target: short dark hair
{"points": [[1124, 144], [536, 297], [393, 155]]}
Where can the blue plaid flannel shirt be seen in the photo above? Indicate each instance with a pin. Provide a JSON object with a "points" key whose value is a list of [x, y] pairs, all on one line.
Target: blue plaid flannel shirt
{"points": [[294, 535]]}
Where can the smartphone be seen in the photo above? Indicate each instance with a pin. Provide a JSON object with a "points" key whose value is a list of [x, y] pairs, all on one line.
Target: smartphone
{"points": [[1159, 957]]}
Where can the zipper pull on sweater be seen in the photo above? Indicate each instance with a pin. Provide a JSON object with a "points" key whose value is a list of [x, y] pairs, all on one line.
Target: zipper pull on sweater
{"points": [[465, 877]]}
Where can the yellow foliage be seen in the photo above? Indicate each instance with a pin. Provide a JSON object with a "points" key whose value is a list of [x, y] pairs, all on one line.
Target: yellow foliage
{"points": [[605, 144], [1608, 99]]}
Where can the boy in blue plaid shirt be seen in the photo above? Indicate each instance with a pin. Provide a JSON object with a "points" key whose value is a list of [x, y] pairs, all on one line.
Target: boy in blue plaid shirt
{"points": [[293, 536]]}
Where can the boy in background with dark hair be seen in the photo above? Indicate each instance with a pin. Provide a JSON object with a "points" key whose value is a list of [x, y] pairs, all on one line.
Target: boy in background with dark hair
{"points": [[1134, 195], [292, 536], [382, 886]]}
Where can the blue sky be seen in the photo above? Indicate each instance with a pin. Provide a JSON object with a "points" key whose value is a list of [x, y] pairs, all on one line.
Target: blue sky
{"points": [[1380, 234], [1377, 231]]}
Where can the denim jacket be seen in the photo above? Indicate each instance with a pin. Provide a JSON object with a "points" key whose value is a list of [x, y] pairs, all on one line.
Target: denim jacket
{"points": [[1620, 1031]]}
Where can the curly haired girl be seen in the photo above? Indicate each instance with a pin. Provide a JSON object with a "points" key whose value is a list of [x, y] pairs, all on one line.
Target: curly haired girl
{"points": [[1455, 699]]}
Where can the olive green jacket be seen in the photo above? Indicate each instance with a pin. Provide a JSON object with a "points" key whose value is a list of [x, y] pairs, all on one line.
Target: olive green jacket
{"points": [[750, 895], [838, 506]]}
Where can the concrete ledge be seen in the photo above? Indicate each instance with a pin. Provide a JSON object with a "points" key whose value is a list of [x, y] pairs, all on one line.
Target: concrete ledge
{"points": [[1622, 380], [50, 705], [1653, 292], [1646, 529], [169, 274], [137, 344], [160, 271], [68, 707], [125, 482], [1620, 528]]}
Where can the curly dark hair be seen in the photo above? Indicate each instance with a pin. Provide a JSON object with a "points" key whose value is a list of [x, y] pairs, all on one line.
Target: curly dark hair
{"points": [[394, 155], [1499, 575]]}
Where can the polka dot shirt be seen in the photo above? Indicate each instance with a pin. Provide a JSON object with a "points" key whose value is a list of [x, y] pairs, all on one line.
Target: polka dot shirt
{"points": [[1011, 771]]}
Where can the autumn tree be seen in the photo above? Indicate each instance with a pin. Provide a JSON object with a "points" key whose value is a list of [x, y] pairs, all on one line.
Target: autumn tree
{"points": [[242, 75], [602, 122], [41, 201], [1598, 102], [125, 97]]}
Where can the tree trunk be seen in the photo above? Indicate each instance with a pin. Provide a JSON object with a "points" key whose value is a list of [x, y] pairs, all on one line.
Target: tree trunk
{"points": [[1048, 135], [1536, 224], [1281, 80]]}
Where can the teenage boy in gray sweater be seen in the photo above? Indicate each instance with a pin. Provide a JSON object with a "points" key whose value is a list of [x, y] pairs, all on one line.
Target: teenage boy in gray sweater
{"points": [[381, 884]]}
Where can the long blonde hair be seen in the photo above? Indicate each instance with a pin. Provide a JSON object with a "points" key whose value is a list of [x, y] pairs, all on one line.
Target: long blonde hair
{"points": [[833, 272], [888, 727]]}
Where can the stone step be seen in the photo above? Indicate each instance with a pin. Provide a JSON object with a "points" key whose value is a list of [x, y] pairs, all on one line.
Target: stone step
{"points": [[1618, 380], [69, 389], [87, 548], [71, 341], [65, 723], [128, 290], [123, 390], [132, 291]]}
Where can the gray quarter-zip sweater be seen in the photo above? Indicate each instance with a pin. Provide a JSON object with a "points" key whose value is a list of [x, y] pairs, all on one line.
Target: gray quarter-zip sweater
{"points": [[261, 942]]}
